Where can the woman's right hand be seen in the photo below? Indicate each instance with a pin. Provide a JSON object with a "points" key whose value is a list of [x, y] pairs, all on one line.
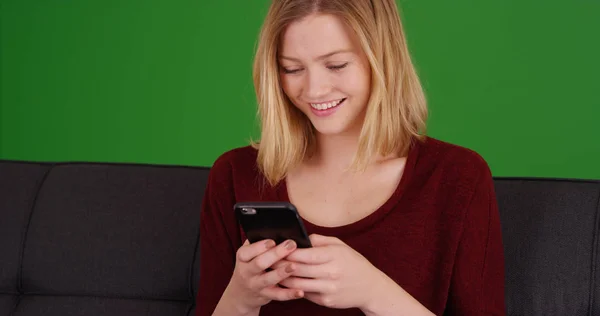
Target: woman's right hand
{"points": [[251, 286]]}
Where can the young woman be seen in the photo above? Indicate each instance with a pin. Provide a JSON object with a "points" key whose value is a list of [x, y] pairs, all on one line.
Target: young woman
{"points": [[401, 223]]}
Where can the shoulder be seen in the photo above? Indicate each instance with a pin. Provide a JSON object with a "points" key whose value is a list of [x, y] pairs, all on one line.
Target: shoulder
{"points": [[451, 165], [444, 152], [240, 157], [455, 181], [237, 165]]}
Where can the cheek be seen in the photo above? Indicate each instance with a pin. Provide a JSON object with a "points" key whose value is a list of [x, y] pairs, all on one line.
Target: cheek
{"points": [[289, 86], [357, 84]]}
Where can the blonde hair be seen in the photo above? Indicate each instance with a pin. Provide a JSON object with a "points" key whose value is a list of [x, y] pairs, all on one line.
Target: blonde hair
{"points": [[396, 111]]}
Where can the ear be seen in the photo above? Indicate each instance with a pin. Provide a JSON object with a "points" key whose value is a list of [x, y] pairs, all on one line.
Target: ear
{"points": [[320, 240]]}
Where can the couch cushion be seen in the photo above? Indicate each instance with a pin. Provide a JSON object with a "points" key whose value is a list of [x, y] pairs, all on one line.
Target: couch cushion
{"points": [[550, 235], [97, 306], [7, 303], [19, 183], [105, 239]]}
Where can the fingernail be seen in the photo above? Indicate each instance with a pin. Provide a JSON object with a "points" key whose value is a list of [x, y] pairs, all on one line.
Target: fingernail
{"points": [[269, 244], [298, 294], [289, 268], [290, 244]]}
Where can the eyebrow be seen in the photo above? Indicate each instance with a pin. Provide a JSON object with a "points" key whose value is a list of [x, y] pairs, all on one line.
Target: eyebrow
{"points": [[339, 51]]}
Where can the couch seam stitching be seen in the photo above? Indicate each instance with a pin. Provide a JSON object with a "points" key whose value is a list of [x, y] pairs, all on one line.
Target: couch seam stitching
{"points": [[189, 310], [25, 234], [192, 266], [594, 258], [26, 230], [17, 302]]}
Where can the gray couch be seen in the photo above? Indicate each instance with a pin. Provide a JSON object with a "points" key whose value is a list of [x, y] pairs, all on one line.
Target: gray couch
{"points": [[122, 239]]}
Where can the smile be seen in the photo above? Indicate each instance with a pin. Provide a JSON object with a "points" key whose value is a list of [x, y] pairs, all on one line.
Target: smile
{"points": [[326, 105]]}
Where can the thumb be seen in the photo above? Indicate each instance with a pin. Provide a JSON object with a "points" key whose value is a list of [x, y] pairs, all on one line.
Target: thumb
{"points": [[319, 240]]}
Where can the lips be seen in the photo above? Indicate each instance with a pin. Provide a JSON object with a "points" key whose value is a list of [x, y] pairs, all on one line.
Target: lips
{"points": [[326, 108]]}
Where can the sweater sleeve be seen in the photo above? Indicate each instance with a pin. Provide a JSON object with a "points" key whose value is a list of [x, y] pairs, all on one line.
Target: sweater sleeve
{"points": [[477, 284], [218, 233]]}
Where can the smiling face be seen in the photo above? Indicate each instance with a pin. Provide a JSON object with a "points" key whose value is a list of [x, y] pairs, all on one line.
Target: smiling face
{"points": [[325, 73]]}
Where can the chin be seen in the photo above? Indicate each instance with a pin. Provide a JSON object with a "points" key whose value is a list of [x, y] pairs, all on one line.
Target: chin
{"points": [[330, 128], [341, 125]]}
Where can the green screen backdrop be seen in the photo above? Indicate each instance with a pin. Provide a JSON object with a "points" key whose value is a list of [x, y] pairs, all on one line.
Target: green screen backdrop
{"points": [[169, 82]]}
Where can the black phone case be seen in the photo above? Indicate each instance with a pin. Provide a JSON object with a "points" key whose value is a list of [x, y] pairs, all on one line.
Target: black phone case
{"points": [[278, 221]]}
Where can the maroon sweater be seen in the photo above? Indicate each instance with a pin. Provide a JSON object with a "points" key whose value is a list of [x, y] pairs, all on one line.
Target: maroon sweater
{"points": [[438, 236]]}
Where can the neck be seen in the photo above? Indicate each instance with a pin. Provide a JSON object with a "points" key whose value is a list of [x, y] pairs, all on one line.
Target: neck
{"points": [[335, 151]]}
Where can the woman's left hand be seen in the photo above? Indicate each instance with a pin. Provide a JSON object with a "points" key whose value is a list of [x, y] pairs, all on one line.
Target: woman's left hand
{"points": [[334, 275]]}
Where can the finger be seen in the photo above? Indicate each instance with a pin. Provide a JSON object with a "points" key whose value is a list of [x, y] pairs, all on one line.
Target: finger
{"points": [[315, 271], [267, 259], [280, 263], [280, 294], [319, 299], [314, 255], [319, 240], [272, 277], [310, 285], [249, 251]]}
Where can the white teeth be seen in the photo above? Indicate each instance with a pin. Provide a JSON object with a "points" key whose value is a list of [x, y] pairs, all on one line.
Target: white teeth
{"points": [[324, 106]]}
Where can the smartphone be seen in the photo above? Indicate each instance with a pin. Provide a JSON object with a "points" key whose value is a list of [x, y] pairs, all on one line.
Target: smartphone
{"points": [[278, 221]]}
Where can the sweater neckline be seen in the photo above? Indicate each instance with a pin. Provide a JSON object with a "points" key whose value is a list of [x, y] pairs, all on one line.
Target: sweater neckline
{"points": [[369, 220]]}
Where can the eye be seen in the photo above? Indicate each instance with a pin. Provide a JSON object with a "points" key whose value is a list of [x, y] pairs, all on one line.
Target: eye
{"points": [[338, 67], [290, 71]]}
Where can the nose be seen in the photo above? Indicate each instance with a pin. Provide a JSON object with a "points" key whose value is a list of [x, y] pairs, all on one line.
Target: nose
{"points": [[317, 86]]}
